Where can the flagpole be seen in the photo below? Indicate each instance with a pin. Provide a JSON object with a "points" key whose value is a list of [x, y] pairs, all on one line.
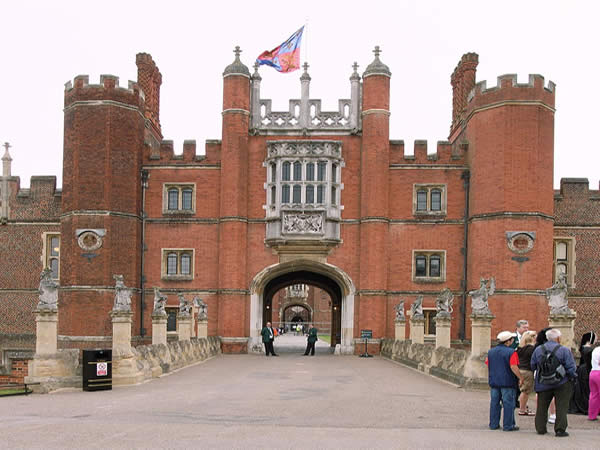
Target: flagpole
{"points": [[306, 39]]}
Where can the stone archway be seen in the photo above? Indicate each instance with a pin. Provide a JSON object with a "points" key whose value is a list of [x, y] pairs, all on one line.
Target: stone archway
{"points": [[326, 276], [285, 310]]}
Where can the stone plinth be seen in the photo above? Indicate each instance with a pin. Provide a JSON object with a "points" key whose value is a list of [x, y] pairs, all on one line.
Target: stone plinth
{"points": [[202, 329], [125, 369], [184, 326], [400, 328], [442, 331], [46, 335], [159, 329], [417, 330], [564, 323], [481, 333]]}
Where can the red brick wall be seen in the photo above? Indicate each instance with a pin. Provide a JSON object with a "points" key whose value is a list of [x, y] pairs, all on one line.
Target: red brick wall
{"points": [[18, 372], [577, 214]]}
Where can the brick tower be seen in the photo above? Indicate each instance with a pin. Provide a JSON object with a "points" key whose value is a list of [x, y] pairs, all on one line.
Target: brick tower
{"points": [[101, 205], [233, 215], [509, 131], [374, 195]]}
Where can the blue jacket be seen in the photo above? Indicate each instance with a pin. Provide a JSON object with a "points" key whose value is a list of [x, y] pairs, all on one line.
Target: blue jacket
{"points": [[564, 356], [499, 373]]}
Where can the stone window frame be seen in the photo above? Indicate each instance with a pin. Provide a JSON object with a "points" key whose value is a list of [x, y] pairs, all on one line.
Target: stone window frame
{"points": [[318, 185], [180, 251], [323, 187], [428, 254], [428, 312], [570, 261], [430, 187], [46, 251], [180, 187]]}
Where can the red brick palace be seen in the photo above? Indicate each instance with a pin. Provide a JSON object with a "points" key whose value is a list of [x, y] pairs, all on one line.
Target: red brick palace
{"points": [[298, 197]]}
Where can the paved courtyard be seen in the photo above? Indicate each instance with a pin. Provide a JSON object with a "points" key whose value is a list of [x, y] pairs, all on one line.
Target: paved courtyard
{"points": [[251, 401]]}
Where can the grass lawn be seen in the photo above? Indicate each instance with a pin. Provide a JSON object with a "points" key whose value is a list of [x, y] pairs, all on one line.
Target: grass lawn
{"points": [[11, 391], [325, 337]]}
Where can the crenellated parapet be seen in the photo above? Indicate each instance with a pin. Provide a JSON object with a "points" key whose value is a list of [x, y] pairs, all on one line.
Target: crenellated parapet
{"points": [[306, 114], [40, 202], [507, 89], [576, 204], [165, 153], [445, 153], [80, 91]]}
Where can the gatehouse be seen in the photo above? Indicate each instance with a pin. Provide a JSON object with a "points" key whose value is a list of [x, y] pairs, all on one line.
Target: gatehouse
{"points": [[310, 197]]}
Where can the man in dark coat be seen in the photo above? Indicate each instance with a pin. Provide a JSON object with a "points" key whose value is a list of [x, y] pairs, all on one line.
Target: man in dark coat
{"points": [[504, 378], [268, 336], [311, 341], [560, 391]]}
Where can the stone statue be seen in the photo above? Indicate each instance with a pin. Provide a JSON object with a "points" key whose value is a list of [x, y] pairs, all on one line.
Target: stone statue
{"points": [[557, 296], [159, 303], [417, 308], [185, 309], [443, 303], [122, 295], [400, 317], [48, 299], [479, 297], [202, 308]]}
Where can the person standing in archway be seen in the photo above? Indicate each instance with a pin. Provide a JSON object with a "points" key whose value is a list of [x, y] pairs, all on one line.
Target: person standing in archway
{"points": [[268, 336], [311, 340]]}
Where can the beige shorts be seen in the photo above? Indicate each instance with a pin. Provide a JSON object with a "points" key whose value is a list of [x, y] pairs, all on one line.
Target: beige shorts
{"points": [[527, 386]]}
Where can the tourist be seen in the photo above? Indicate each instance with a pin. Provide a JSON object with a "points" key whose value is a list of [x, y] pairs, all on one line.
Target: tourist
{"points": [[560, 391], [311, 341], [594, 401], [504, 377], [541, 340], [522, 327], [268, 336], [525, 350], [581, 383]]}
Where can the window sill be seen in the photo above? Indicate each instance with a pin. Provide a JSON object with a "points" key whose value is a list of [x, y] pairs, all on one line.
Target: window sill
{"points": [[178, 212], [177, 277], [424, 280], [436, 214]]}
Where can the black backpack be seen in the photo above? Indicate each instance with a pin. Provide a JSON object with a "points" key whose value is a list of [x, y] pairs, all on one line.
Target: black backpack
{"points": [[550, 370]]}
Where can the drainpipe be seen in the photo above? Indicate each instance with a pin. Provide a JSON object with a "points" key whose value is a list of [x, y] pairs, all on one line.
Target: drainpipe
{"points": [[466, 177], [145, 177]]}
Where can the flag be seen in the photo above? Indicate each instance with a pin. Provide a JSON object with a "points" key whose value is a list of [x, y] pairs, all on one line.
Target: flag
{"points": [[286, 57]]}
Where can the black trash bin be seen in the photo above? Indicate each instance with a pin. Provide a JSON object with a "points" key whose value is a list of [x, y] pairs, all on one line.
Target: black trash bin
{"points": [[97, 370]]}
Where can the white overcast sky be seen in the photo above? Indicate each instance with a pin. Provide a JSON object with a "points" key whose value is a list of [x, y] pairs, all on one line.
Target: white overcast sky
{"points": [[43, 44]]}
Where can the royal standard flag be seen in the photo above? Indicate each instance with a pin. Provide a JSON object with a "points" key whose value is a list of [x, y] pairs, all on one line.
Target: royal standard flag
{"points": [[286, 57]]}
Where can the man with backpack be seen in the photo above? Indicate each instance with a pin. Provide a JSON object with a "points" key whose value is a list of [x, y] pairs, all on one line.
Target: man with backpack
{"points": [[504, 378], [554, 366]]}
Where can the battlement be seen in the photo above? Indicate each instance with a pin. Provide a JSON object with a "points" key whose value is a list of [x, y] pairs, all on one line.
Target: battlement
{"points": [[166, 153], [576, 204], [576, 187], [305, 114], [446, 153], [108, 89], [507, 88], [41, 201]]}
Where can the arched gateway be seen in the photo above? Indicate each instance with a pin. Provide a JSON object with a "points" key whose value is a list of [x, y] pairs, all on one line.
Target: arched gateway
{"points": [[328, 277]]}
